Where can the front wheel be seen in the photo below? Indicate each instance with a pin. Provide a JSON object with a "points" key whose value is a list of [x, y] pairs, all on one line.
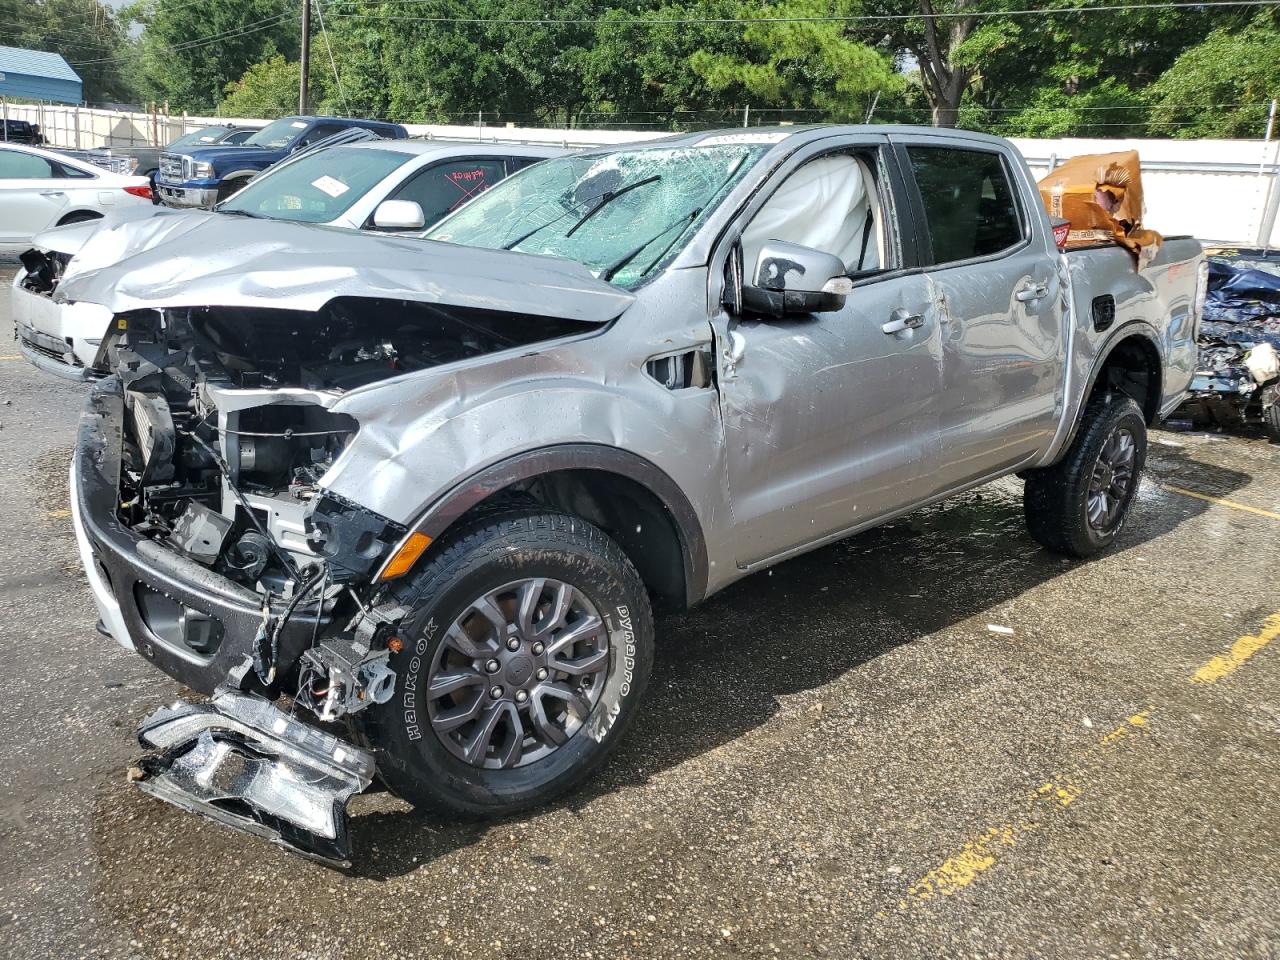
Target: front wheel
{"points": [[527, 646], [1079, 505], [229, 188]]}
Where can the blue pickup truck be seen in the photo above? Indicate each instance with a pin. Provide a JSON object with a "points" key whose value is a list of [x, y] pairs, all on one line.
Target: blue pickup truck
{"points": [[202, 176]]}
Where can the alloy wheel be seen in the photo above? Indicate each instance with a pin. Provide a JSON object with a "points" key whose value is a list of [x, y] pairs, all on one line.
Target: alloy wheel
{"points": [[518, 673], [1112, 479]]}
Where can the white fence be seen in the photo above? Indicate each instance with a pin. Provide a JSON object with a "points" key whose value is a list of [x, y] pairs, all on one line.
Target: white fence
{"points": [[1221, 191]]}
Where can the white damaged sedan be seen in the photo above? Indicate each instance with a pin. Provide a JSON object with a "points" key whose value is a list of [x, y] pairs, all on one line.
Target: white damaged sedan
{"points": [[381, 186]]}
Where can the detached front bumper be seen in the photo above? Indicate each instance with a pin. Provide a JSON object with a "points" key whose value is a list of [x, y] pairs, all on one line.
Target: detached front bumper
{"points": [[202, 198], [245, 764], [50, 354], [191, 622]]}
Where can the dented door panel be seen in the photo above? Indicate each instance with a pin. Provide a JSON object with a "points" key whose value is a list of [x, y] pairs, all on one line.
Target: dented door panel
{"points": [[829, 421]]}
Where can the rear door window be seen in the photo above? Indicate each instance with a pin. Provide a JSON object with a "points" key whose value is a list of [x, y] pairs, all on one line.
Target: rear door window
{"points": [[16, 165], [970, 205], [443, 187]]}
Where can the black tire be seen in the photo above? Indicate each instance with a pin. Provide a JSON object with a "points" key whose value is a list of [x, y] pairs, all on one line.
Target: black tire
{"points": [[493, 550], [1056, 499], [82, 216], [229, 188], [1271, 411]]}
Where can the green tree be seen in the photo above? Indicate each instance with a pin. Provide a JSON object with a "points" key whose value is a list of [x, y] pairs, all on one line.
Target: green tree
{"points": [[822, 66], [270, 89], [189, 53], [1073, 73], [87, 34], [1221, 87]]}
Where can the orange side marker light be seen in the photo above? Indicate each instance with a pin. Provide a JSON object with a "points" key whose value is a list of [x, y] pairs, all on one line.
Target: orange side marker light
{"points": [[406, 556]]}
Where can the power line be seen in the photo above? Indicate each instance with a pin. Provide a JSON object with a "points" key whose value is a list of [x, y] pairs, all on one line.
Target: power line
{"points": [[256, 26], [857, 18]]}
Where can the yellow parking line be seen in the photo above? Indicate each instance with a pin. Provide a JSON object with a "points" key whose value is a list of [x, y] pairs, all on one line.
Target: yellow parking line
{"points": [[11, 357], [1223, 503], [984, 851], [955, 873], [1245, 647]]}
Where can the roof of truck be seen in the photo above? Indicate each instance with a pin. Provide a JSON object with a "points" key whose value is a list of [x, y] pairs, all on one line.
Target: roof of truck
{"points": [[803, 133]]}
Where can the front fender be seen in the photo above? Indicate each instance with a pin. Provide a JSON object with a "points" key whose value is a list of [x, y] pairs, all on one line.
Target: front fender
{"points": [[440, 515], [434, 443]]}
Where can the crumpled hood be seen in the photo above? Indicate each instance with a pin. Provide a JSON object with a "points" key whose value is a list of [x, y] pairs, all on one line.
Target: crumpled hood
{"points": [[111, 244], [197, 259]]}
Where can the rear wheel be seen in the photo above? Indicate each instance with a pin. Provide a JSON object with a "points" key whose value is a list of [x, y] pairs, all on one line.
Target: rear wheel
{"points": [[527, 646], [1079, 505], [1271, 411]]}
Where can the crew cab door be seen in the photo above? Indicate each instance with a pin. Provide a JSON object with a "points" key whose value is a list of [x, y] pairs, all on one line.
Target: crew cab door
{"points": [[829, 418], [996, 297]]}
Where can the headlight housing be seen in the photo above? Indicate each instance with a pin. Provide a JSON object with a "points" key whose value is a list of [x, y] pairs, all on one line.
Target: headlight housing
{"points": [[202, 170], [129, 165]]}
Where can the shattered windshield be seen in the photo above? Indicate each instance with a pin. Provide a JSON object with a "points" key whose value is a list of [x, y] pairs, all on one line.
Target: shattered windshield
{"points": [[620, 214]]}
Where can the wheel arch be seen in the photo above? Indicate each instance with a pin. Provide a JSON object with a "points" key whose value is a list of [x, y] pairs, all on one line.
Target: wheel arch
{"points": [[629, 497], [1130, 363], [79, 216], [238, 175]]}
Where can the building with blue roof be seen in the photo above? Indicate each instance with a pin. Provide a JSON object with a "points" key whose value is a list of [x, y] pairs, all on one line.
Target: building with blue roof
{"points": [[37, 75]]}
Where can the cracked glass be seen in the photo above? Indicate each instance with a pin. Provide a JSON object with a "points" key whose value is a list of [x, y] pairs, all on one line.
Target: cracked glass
{"points": [[622, 215]]}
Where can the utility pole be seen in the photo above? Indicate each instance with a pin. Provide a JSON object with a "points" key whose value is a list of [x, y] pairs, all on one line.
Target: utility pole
{"points": [[305, 65]]}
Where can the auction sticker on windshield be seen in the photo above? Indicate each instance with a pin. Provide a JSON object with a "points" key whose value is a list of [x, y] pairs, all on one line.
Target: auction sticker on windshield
{"points": [[334, 188]]}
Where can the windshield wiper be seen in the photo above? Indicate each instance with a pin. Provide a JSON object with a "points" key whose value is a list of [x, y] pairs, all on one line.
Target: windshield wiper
{"points": [[604, 198], [242, 213], [688, 218], [610, 271], [607, 198]]}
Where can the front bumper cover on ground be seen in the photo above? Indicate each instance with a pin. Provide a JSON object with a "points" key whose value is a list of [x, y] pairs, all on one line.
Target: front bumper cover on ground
{"points": [[245, 764]]}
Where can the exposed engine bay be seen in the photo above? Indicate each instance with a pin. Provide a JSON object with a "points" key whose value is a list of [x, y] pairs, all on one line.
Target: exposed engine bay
{"points": [[227, 440]]}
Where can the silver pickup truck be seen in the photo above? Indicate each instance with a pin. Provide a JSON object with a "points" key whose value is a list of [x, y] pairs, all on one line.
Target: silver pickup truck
{"points": [[433, 488]]}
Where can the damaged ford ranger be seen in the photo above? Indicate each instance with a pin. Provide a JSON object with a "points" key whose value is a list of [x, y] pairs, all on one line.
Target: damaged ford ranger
{"points": [[427, 491]]}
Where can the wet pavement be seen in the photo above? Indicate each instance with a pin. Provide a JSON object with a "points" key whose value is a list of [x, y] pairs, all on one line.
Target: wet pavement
{"points": [[839, 758]]}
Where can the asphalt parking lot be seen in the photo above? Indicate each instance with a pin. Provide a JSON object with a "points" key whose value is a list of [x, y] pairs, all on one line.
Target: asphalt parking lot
{"points": [[931, 740]]}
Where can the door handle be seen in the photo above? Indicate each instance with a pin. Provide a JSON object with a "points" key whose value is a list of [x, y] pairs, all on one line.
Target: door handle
{"points": [[52, 193], [901, 320], [1032, 291]]}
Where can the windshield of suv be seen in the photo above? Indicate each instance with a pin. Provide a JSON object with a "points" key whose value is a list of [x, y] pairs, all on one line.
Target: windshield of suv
{"points": [[619, 214], [198, 138], [278, 133], [317, 186]]}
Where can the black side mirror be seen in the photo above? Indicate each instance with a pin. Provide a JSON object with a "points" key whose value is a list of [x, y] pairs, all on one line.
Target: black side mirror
{"points": [[793, 279]]}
